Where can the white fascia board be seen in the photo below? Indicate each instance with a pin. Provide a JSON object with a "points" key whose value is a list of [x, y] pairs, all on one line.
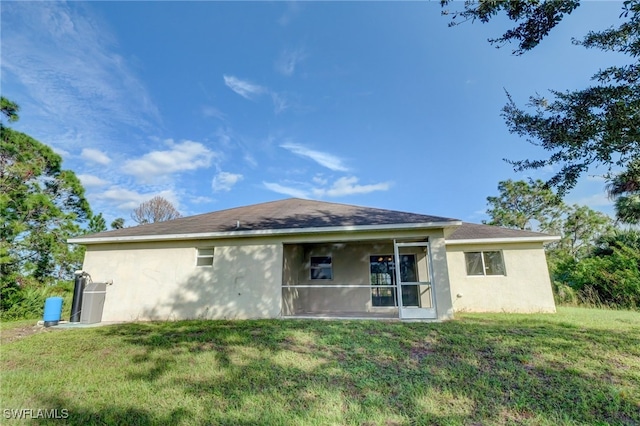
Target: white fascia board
{"points": [[545, 239], [262, 233]]}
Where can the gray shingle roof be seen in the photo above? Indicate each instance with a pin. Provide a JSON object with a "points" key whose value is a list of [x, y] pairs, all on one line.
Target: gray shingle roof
{"points": [[473, 231], [292, 213]]}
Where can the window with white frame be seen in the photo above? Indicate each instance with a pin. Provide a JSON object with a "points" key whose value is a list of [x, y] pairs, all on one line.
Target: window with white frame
{"points": [[204, 257], [321, 268], [484, 263]]}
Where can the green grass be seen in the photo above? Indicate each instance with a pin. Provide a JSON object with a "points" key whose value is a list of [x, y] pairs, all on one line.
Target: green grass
{"points": [[580, 366]]}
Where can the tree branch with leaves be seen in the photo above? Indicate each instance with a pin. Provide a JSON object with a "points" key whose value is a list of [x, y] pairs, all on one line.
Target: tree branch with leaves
{"points": [[596, 127], [41, 205], [523, 205]]}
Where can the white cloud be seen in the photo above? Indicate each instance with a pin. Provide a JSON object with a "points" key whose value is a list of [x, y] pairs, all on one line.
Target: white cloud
{"points": [[126, 199], [244, 88], [61, 152], [224, 181], [91, 180], [61, 60], [250, 159], [595, 201], [327, 160], [200, 200], [251, 91], [286, 190], [288, 60], [319, 180], [183, 156], [349, 186], [291, 12], [224, 136], [229, 140], [280, 103], [213, 112], [341, 187], [96, 156]]}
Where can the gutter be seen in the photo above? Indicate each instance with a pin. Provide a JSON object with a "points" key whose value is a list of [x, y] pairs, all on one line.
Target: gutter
{"points": [[545, 239]]}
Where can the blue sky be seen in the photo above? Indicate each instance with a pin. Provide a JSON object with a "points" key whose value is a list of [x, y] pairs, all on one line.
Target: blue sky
{"points": [[218, 104]]}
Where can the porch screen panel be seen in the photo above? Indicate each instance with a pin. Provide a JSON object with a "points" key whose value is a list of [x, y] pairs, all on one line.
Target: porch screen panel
{"points": [[382, 273]]}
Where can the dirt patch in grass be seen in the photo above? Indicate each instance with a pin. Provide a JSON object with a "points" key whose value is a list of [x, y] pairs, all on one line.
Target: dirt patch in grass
{"points": [[420, 351], [22, 330]]}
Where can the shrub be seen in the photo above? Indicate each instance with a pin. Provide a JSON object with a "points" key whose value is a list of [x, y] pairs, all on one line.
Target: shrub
{"points": [[608, 277], [564, 294], [612, 280], [26, 301]]}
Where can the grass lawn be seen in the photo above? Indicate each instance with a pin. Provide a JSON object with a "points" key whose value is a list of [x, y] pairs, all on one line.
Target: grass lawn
{"points": [[580, 366]]}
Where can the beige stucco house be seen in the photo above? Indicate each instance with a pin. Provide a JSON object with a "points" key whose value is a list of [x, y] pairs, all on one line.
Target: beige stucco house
{"points": [[302, 258]]}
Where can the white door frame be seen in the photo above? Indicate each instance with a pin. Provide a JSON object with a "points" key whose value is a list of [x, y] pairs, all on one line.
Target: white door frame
{"points": [[415, 312]]}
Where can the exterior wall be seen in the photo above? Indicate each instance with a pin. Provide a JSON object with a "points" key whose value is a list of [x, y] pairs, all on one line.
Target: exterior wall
{"points": [[162, 281], [441, 278], [525, 288]]}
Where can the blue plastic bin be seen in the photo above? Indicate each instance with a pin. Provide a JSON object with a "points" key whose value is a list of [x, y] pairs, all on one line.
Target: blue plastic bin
{"points": [[52, 311]]}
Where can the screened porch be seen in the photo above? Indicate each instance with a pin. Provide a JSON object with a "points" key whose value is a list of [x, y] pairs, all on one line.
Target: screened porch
{"points": [[357, 280]]}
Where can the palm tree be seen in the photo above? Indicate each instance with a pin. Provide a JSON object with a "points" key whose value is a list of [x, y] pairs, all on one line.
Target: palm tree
{"points": [[624, 188]]}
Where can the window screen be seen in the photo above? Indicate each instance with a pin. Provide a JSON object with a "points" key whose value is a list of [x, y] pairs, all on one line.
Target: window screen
{"points": [[484, 263]]}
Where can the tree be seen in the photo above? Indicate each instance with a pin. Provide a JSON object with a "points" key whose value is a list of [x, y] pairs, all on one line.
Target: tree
{"points": [[41, 205], [624, 188], [537, 18], [580, 228], [610, 274], [117, 223], [157, 209], [617, 239], [628, 209], [580, 129], [520, 203], [9, 109], [97, 224]]}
